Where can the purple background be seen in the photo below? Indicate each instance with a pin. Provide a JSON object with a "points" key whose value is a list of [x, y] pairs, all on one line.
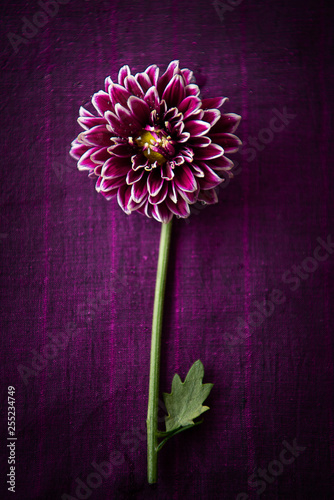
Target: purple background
{"points": [[70, 257]]}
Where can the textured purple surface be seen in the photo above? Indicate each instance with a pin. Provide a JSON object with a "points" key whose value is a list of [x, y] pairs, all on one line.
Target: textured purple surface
{"points": [[68, 257]]}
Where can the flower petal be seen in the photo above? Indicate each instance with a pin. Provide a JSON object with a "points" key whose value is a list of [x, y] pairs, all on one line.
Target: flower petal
{"points": [[88, 122], [129, 118], [172, 114], [228, 123], [96, 136], [211, 116], [123, 73], [97, 171], [177, 129], [197, 171], [101, 155], [188, 197], [154, 181], [139, 189], [161, 213], [139, 108], [132, 205], [180, 208], [144, 81], [160, 196], [213, 102], [97, 184], [231, 143], [162, 108], [78, 149], [187, 153], [211, 151], [153, 118], [115, 167], [174, 93], [210, 196], [108, 184], [85, 162], [188, 75], [122, 150], [192, 89], [210, 179], [222, 163], [152, 98], [139, 161], [200, 142], [84, 112], [107, 82], [118, 94], [183, 137], [117, 127], [197, 115], [101, 102], [108, 195], [145, 209], [133, 86], [189, 105], [185, 179], [123, 197], [165, 78], [197, 127], [134, 176], [178, 160], [153, 73], [167, 171], [172, 191]]}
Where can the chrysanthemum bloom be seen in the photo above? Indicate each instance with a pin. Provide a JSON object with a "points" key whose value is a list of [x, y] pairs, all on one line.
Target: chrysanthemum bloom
{"points": [[155, 143]]}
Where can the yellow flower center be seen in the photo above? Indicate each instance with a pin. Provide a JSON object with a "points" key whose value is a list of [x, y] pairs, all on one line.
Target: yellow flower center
{"points": [[153, 144]]}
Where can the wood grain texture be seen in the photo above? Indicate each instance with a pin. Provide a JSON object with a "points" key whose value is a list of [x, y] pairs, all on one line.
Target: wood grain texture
{"points": [[75, 270]]}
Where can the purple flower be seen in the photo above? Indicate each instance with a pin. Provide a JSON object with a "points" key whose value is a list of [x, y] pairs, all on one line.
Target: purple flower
{"points": [[155, 144]]}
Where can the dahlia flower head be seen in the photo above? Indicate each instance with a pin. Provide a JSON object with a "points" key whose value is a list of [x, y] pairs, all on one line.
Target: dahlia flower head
{"points": [[155, 144]]}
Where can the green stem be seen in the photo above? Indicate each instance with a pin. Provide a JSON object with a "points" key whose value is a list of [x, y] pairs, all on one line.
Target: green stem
{"points": [[153, 396]]}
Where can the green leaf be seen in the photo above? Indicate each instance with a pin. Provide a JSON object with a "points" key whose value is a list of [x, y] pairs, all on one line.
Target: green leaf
{"points": [[184, 403]]}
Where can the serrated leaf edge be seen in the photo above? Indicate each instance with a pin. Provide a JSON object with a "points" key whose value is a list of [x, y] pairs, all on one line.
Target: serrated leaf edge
{"points": [[209, 386]]}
